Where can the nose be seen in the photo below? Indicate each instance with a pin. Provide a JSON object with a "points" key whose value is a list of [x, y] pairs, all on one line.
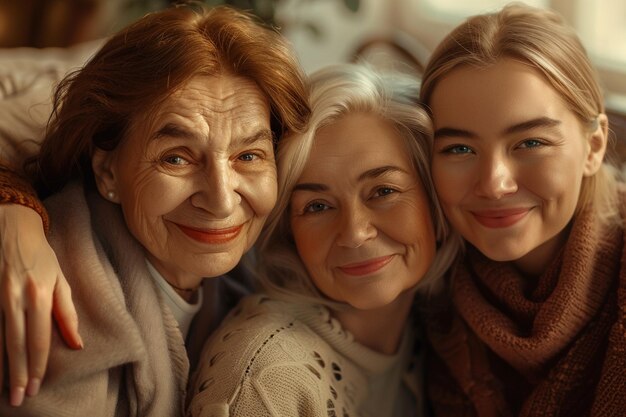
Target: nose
{"points": [[355, 227], [217, 191], [496, 177]]}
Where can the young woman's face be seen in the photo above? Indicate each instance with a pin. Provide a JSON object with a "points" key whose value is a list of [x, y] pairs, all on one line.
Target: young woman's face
{"points": [[509, 159], [360, 216], [197, 186]]}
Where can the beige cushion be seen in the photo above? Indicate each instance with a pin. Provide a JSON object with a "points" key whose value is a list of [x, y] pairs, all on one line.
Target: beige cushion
{"points": [[27, 80]]}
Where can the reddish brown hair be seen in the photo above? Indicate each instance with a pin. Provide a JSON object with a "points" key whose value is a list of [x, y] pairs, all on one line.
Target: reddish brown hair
{"points": [[143, 64]]}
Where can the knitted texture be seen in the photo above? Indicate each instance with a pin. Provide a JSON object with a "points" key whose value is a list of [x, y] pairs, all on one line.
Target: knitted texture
{"points": [[551, 347], [15, 189], [272, 358], [133, 362]]}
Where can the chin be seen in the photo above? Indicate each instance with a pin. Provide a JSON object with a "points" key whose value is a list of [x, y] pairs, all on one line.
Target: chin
{"points": [[214, 266], [216, 272], [374, 302], [501, 253]]}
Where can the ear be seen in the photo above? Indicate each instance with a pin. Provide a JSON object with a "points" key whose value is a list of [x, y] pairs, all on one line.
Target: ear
{"points": [[597, 143], [102, 165]]}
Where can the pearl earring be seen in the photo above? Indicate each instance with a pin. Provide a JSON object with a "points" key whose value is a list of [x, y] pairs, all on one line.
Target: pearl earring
{"points": [[110, 195]]}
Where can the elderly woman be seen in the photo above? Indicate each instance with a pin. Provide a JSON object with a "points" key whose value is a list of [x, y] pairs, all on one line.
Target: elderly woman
{"points": [[355, 235], [538, 321], [159, 163]]}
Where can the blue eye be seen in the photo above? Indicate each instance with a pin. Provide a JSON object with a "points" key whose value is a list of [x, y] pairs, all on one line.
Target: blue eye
{"points": [[248, 157], [458, 149], [175, 160], [315, 207], [531, 143]]}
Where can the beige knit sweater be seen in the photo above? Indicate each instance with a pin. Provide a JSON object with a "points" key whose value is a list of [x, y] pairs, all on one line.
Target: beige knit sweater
{"points": [[273, 358]]}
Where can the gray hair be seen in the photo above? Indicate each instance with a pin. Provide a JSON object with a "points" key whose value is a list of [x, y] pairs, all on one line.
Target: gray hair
{"points": [[336, 91]]}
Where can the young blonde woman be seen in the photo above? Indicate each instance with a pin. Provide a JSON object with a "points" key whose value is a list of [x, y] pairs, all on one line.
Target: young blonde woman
{"points": [[538, 316], [355, 235]]}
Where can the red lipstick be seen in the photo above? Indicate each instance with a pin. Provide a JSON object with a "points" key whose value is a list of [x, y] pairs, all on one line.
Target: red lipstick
{"points": [[368, 267], [211, 236]]}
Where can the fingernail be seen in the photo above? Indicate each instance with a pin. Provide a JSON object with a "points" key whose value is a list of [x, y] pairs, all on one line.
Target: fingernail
{"points": [[80, 344], [33, 387], [17, 396]]}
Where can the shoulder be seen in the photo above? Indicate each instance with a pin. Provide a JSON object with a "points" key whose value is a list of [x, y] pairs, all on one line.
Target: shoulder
{"points": [[112, 326], [264, 360], [256, 326]]}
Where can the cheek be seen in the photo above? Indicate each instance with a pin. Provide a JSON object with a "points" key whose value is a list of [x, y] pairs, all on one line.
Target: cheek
{"points": [[261, 192], [145, 199], [309, 244], [416, 231], [420, 230], [155, 195], [447, 181], [563, 182]]}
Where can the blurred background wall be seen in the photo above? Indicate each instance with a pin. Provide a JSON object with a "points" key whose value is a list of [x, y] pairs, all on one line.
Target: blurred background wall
{"points": [[400, 33], [323, 31]]}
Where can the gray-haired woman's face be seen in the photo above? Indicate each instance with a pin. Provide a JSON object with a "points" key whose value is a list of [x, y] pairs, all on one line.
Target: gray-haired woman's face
{"points": [[197, 187], [360, 215]]}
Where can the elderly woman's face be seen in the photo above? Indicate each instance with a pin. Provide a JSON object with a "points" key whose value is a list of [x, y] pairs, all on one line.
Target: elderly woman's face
{"points": [[360, 216], [197, 186]]}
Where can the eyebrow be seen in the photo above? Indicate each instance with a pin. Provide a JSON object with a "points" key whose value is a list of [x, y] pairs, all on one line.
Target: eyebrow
{"points": [[261, 135], [539, 122], [543, 122], [177, 131], [449, 132], [370, 173]]}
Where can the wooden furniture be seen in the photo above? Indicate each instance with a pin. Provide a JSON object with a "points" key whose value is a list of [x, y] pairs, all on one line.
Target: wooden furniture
{"points": [[45, 23]]}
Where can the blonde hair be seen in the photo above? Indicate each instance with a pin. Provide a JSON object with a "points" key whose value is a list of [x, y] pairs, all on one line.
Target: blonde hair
{"points": [[541, 39], [336, 91]]}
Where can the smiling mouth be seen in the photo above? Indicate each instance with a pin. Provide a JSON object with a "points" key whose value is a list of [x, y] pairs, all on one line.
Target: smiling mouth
{"points": [[211, 236], [497, 219], [368, 267]]}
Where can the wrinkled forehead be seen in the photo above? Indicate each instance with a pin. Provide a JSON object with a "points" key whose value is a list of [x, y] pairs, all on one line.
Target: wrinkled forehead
{"points": [[215, 97]]}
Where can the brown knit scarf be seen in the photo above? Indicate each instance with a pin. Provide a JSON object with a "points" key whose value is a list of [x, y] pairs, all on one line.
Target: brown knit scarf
{"points": [[551, 347]]}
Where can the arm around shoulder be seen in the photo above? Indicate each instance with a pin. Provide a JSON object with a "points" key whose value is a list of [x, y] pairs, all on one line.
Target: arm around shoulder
{"points": [[16, 193], [32, 286]]}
